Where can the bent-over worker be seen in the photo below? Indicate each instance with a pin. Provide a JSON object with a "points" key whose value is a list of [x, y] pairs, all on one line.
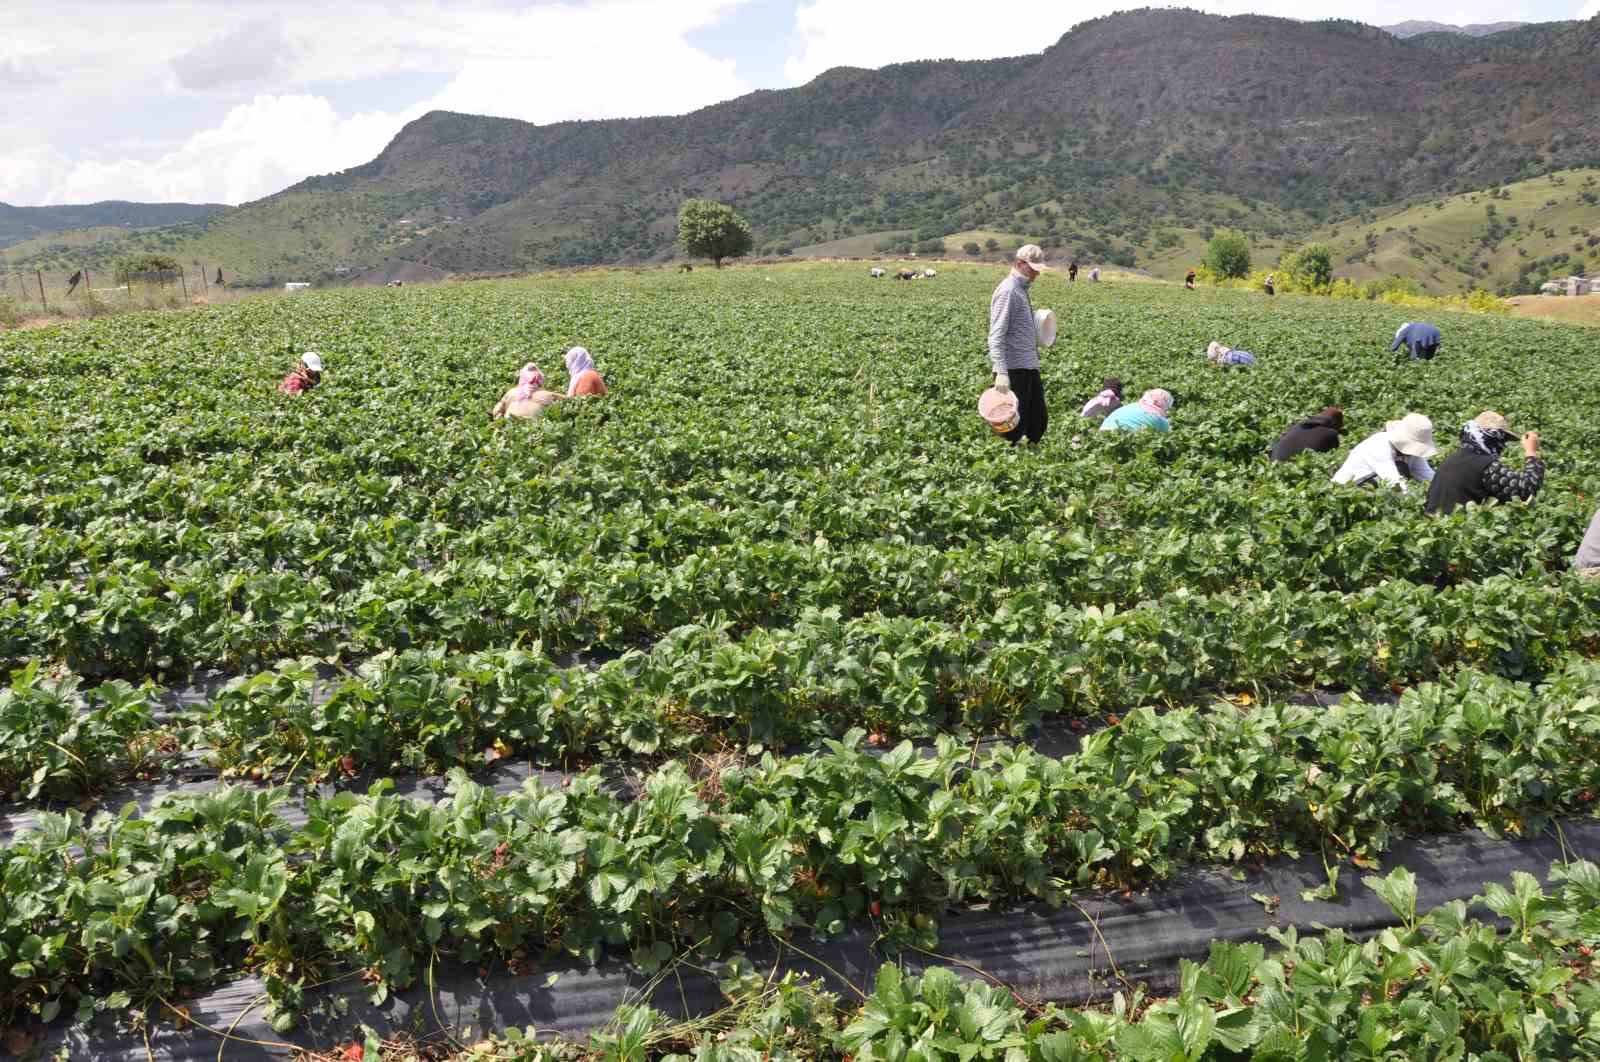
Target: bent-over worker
{"points": [[307, 374], [1475, 473], [528, 399], [1397, 453], [1318, 432]]}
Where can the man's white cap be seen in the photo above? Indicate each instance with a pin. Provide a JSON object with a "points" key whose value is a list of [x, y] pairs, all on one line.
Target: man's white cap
{"points": [[313, 360], [1033, 255]]}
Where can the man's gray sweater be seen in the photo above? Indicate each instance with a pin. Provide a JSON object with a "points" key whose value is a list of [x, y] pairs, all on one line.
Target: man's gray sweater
{"points": [[1013, 341]]}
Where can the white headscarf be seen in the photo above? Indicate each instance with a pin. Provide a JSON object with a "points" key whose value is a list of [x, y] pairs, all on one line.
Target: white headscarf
{"points": [[578, 363]]}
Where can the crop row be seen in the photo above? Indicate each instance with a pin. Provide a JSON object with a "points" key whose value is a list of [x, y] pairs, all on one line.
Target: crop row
{"points": [[127, 909], [706, 687], [1438, 985]]}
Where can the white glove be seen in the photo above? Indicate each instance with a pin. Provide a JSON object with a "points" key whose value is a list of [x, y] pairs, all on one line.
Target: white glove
{"points": [[1002, 383]]}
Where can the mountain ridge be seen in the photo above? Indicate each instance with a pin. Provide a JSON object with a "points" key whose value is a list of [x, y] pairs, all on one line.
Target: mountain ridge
{"points": [[1125, 128], [19, 223]]}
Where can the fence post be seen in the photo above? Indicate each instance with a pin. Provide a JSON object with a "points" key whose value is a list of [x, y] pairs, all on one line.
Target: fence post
{"points": [[183, 276], [42, 299]]}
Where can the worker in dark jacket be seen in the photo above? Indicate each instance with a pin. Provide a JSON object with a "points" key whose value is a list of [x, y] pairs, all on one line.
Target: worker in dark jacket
{"points": [[1420, 339], [1475, 472], [1319, 432]]}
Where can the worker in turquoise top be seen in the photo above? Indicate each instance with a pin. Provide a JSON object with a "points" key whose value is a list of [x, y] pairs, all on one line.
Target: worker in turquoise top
{"points": [[1150, 413]]}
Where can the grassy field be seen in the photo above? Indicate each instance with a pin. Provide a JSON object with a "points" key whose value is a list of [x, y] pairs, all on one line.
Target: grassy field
{"points": [[1583, 310]]}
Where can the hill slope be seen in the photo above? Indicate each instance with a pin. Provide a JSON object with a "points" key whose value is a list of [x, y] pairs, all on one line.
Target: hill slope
{"points": [[18, 224], [1484, 29], [1115, 141]]}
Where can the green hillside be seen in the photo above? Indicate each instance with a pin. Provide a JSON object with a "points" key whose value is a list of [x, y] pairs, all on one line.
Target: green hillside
{"points": [[1505, 238]]}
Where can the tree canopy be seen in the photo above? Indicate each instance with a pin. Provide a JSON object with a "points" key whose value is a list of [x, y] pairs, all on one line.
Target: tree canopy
{"points": [[708, 229], [1228, 255]]}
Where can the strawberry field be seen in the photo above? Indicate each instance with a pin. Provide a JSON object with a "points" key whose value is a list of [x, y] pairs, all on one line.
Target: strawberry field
{"points": [[783, 642]]}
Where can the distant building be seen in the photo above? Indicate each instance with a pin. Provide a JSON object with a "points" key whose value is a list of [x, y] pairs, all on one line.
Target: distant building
{"points": [[1570, 286]]}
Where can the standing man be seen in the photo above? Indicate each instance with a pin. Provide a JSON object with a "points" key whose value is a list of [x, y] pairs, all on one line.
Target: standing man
{"points": [[1014, 344], [1420, 339]]}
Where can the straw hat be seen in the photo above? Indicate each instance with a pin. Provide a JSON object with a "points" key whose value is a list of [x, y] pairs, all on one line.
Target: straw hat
{"points": [[1033, 255], [1044, 325], [1412, 435], [1493, 421]]}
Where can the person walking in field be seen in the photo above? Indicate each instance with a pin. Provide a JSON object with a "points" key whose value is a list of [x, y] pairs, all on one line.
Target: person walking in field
{"points": [[1271, 285], [1014, 344], [1072, 272], [582, 377], [1318, 433], [1420, 339], [528, 399], [1108, 401], [1150, 413], [1475, 473], [307, 374], [1397, 453], [1188, 281]]}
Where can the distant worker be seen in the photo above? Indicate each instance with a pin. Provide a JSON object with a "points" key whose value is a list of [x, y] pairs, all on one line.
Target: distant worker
{"points": [[1397, 453], [1094, 274], [1072, 272], [1475, 473], [528, 399], [1318, 432], [1587, 559], [1150, 413], [582, 377], [307, 374], [1108, 401], [1014, 344], [1420, 339], [1271, 285], [219, 276], [1188, 280], [1226, 356]]}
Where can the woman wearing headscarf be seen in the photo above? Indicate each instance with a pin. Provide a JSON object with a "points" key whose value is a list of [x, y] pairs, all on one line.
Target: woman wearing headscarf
{"points": [[1319, 432], [1150, 413], [528, 399], [1475, 473], [582, 377], [1106, 402]]}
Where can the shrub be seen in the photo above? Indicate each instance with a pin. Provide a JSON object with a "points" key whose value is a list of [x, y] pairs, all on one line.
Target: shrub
{"points": [[1228, 255]]}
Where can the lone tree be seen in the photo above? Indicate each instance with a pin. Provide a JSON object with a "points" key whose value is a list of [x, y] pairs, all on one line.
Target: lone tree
{"points": [[1228, 255], [708, 229], [1311, 267]]}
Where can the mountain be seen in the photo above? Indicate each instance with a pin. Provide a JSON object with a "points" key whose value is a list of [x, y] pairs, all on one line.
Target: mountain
{"points": [[25, 223], [1124, 140], [1413, 28]]}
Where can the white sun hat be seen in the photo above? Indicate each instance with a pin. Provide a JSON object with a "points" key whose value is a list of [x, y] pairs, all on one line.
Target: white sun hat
{"points": [[1412, 435], [313, 360], [1044, 325]]}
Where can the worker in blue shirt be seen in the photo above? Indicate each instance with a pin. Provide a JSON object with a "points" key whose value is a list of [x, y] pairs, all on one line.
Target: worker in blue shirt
{"points": [[1420, 339]]}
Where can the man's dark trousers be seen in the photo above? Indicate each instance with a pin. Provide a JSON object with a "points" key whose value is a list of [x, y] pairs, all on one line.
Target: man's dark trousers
{"points": [[1034, 418]]}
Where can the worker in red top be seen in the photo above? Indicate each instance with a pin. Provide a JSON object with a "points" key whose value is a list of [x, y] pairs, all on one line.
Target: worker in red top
{"points": [[307, 374]]}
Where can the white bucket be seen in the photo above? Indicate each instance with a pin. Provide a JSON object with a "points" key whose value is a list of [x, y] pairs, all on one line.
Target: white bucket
{"points": [[999, 410], [1044, 325]]}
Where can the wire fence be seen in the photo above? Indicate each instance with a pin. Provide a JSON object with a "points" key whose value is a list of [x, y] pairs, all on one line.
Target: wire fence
{"points": [[58, 290]]}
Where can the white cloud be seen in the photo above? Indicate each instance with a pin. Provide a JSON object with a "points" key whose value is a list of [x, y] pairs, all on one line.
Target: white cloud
{"points": [[1590, 10], [543, 63], [261, 147]]}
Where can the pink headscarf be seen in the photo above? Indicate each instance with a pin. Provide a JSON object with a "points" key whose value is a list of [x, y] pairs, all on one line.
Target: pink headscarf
{"points": [[1156, 401], [529, 380]]}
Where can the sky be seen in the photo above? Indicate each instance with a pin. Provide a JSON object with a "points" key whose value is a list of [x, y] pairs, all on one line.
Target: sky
{"points": [[225, 101]]}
